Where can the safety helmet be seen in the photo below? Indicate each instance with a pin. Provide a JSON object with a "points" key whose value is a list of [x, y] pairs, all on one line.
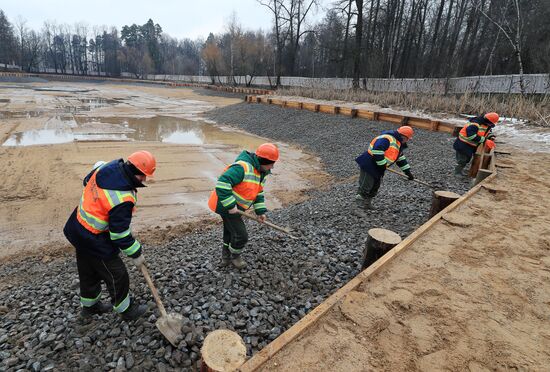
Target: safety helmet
{"points": [[144, 161], [406, 131], [268, 151], [492, 117]]}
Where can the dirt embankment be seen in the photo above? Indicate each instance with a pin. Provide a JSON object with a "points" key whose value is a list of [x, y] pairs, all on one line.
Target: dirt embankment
{"points": [[465, 296]]}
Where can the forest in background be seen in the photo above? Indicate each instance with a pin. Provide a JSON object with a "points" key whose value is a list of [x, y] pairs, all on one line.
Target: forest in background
{"points": [[355, 38]]}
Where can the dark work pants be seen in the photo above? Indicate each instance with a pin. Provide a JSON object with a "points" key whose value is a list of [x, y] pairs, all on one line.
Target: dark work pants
{"points": [[235, 235], [463, 158], [93, 270], [368, 185]]}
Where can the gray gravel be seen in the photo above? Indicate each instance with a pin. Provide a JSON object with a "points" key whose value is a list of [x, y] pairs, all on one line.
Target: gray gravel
{"points": [[39, 327]]}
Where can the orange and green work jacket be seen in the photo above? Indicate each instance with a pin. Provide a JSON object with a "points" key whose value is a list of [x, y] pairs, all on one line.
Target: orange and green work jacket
{"points": [[100, 225], [241, 184], [383, 151], [473, 134]]}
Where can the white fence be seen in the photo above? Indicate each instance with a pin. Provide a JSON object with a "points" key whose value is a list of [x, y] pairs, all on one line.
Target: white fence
{"points": [[534, 83]]}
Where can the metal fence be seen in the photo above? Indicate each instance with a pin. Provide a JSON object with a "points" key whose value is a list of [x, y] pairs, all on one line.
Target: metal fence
{"points": [[534, 83]]}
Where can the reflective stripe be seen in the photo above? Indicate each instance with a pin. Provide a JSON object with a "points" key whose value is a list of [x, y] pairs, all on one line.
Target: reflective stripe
{"points": [[92, 220], [234, 250], [401, 158], [381, 162], [123, 306], [132, 249], [393, 147], [228, 201], [225, 244], [223, 185], [88, 302], [245, 203], [377, 152], [259, 205], [405, 167], [116, 197], [481, 132], [116, 236]]}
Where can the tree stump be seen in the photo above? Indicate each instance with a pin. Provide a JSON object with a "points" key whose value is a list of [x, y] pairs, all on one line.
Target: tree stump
{"points": [[379, 242], [440, 200], [222, 351]]}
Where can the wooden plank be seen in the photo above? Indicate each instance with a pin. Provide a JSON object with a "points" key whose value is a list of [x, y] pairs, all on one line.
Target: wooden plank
{"points": [[420, 123], [314, 315], [294, 104], [276, 101], [310, 106], [392, 118], [348, 111], [329, 109], [365, 114]]}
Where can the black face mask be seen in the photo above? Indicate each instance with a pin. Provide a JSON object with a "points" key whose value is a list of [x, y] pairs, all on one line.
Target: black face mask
{"points": [[264, 161]]}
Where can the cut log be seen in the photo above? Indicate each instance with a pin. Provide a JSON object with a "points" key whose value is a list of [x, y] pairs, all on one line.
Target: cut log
{"points": [[222, 351], [379, 242], [494, 189], [440, 201]]}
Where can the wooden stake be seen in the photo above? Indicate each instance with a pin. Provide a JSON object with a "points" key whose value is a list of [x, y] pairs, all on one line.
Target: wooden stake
{"points": [[222, 351], [379, 242], [442, 199]]}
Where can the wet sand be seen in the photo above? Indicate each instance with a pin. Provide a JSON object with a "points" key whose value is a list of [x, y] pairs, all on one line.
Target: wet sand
{"points": [[53, 133]]}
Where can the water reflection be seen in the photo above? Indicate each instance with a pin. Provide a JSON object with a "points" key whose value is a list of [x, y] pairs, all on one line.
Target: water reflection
{"points": [[164, 129], [39, 137]]}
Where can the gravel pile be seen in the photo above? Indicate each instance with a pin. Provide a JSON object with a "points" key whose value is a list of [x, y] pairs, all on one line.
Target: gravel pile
{"points": [[39, 326]]}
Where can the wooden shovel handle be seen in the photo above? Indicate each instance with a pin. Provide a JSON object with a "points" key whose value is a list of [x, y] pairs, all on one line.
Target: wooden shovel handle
{"points": [[272, 225], [145, 273], [415, 180]]}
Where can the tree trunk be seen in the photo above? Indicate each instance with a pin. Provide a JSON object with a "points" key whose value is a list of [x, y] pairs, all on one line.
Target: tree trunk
{"points": [[379, 242], [222, 350], [441, 200], [358, 41]]}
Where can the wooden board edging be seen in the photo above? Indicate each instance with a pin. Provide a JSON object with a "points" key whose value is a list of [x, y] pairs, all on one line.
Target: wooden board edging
{"points": [[264, 355]]}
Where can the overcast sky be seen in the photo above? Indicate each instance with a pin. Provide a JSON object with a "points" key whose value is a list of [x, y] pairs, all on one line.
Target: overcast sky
{"points": [[178, 18]]}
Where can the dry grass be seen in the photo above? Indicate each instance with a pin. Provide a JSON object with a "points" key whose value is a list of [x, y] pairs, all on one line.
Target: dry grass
{"points": [[535, 109]]}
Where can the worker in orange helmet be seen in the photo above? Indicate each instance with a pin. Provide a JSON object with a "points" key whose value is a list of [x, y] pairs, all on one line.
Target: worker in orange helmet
{"points": [[476, 132], [240, 187], [99, 228], [384, 150]]}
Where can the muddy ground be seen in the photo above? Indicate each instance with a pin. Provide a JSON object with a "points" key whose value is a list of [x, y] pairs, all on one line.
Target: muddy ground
{"points": [[52, 133], [469, 295]]}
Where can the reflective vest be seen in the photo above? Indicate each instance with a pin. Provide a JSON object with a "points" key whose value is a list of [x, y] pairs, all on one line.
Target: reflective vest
{"points": [[481, 131], [245, 192], [95, 204], [390, 155]]}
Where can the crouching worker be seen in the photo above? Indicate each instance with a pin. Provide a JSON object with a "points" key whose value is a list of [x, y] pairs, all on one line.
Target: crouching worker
{"points": [[240, 187], [383, 151], [476, 132], [99, 228]]}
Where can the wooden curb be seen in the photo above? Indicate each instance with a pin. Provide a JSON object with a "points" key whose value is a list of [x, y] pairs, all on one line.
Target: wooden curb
{"points": [[264, 355], [417, 122]]}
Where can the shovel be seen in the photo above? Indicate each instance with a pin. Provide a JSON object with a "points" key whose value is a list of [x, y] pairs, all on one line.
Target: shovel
{"points": [[272, 225], [168, 324], [415, 180]]}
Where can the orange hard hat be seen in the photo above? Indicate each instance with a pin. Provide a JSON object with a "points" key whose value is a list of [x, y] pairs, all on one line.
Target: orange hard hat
{"points": [[406, 131], [492, 117], [268, 151], [144, 161], [490, 144]]}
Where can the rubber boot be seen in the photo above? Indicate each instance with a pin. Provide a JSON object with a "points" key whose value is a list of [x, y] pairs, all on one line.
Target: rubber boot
{"points": [[360, 201], [133, 312], [226, 256], [367, 204], [459, 170], [238, 261], [98, 308]]}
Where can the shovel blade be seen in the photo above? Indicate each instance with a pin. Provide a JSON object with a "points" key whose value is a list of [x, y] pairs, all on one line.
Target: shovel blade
{"points": [[170, 327]]}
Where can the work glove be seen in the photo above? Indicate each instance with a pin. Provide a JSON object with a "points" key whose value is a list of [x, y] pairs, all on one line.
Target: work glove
{"points": [[491, 137], [409, 175], [139, 260]]}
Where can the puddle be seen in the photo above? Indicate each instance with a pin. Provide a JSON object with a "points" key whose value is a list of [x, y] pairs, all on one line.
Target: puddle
{"points": [[516, 133], [164, 129], [20, 114]]}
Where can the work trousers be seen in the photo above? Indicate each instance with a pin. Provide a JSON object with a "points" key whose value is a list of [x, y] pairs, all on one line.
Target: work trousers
{"points": [[93, 270], [368, 185], [462, 158], [235, 235]]}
